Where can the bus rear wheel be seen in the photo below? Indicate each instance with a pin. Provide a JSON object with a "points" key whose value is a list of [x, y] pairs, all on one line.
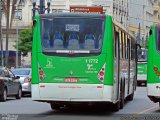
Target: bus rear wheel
{"points": [[116, 106], [130, 97], [122, 97], [55, 106]]}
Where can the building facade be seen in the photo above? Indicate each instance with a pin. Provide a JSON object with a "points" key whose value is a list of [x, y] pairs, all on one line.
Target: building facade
{"points": [[23, 16], [140, 18], [135, 15], [156, 11]]}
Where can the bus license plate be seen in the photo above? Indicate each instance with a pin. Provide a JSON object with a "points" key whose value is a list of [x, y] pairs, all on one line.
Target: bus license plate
{"points": [[71, 79]]}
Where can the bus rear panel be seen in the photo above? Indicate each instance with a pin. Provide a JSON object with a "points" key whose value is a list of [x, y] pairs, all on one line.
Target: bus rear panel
{"points": [[82, 58], [142, 66], [72, 59], [153, 67]]}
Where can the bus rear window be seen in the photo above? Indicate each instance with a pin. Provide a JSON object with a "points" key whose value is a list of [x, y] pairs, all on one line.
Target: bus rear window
{"points": [[158, 37], [142, 54], [63, 33]]}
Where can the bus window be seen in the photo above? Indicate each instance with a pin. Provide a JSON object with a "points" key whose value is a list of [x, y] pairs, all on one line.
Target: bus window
{"points": [[72, 34], [124, 37], [128, 48], [158, 37], [116, 44], [120, 41], [142, 54], [47, 33], [122, 52], [132, 49]]}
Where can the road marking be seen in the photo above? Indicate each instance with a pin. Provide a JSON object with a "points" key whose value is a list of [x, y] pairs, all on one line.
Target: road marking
{"points": [[147, 110]]}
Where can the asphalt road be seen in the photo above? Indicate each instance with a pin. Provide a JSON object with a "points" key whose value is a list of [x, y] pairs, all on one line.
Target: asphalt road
{"points": [[26, 109]]}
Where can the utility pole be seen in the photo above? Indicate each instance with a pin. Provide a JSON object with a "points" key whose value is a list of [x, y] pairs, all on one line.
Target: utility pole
{"points": [[139, 33], [17, 38], [7, 32], [41, 6], [1, 40]]}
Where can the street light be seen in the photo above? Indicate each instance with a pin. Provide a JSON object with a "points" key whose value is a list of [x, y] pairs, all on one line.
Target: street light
{"points": [[17, 18], [48, 5], [17, 37], [41, 9], [1, 40], [34, 7]]}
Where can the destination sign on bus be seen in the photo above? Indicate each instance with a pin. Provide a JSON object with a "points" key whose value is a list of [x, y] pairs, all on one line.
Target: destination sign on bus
{"points": [[87, 9]]}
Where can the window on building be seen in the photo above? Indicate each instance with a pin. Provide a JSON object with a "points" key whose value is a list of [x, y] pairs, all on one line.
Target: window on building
{"points": [[18, 14]]}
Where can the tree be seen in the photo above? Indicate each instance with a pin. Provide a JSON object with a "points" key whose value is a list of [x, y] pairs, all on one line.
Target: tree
{"points": [[6, 9], [25, 41]]}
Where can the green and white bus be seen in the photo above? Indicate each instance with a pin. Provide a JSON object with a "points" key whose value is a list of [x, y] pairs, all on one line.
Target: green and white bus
{"points": [[153, 66], [142, 66], [82, 58]]}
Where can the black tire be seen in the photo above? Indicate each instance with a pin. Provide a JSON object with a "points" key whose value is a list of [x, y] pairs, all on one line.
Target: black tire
{"points": [[130, 97], [55, 106], [116, 107], [139, 83], [19, 94], [122, 97], [135, 83], [3, 98]]}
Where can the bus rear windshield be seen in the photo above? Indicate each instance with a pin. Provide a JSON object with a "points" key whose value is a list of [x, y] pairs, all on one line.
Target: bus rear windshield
{"points": [[72, 34], [142, 55], [158, 37]]}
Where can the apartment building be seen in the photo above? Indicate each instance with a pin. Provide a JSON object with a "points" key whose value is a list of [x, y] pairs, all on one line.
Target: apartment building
{"points": [[140, 18], [156, 11]]}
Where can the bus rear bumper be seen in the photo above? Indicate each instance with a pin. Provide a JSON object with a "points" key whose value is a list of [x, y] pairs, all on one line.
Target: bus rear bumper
{"points": [[53, 92], [154, 98], [153, 92]]}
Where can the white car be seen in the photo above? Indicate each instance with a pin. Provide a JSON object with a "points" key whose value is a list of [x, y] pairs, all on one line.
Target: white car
{"points": [[25, 78]]}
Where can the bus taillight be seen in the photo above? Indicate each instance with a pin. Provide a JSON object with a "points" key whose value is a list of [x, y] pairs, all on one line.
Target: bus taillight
{"points": [[101, 74], [41, 73], [155, 69]]}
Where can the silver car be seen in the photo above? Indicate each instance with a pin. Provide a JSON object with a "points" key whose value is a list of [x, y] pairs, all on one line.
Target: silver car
{"points": [[25, 78]]}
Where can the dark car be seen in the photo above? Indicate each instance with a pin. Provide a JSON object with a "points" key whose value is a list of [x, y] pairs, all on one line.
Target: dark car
{"points": [[9, 85]]}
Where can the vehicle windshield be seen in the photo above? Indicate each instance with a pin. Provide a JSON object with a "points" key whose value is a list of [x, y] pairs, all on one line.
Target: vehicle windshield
{"points": [[74, 34], [142, 55], [21, 72]]}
